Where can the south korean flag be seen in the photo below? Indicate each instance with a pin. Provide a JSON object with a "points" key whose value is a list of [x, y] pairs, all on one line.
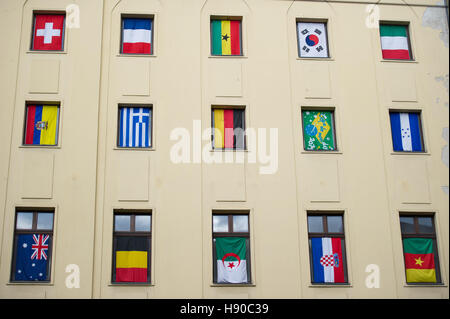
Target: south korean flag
{"points": [[312, 40]]}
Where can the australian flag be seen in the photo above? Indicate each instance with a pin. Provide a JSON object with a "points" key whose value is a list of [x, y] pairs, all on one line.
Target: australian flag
{"points": [[32, 257]]}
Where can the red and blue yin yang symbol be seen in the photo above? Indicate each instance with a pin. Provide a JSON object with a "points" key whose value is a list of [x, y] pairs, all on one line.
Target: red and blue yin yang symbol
{"points": [[312, 40]]}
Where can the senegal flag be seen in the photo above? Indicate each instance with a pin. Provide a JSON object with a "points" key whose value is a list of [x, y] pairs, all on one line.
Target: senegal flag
{"points": [[419, 260], [132, 259], [226, 37], [231, 260]]}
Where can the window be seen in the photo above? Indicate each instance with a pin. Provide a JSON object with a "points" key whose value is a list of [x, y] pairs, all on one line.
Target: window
{"points": [[226, 36], [420, 249], [228, 128], [135, 126], [318, 130], [327, 249], [231, 248], [48, 32], [406, 130], [312, 39], [395, 44], [137, 35], [32, 250], [41, 124], [131, 248]]}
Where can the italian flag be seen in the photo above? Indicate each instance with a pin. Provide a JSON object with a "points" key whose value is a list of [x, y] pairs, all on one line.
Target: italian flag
{"points": [[231, 262], [226, 37], [394, 42], [419, 260]]}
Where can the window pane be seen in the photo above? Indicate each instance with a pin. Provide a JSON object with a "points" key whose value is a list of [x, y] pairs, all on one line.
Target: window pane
{"points": [[407, 225], [425, 225], [142, 223], [220, 223], [315, 224], [335, 224], [45, 221], [240, 223], [24, 220], [122, 223]]}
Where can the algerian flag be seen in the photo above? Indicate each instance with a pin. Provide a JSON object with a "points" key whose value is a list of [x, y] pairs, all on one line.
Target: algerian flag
{"points": [[231, 262], [394, 42]]}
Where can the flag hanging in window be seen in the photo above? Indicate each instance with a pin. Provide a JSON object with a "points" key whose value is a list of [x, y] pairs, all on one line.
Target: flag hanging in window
{"points": [[32, 257], [312, 40], [419, 260], [135, 126], [137, 35], [132, 259], [41, 127], [328, 266], [48, 33], [231, 260], [228, 129], [318, 130], [406, 132], [394, 42], [226, 37]]}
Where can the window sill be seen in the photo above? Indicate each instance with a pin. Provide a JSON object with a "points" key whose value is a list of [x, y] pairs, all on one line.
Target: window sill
{"points": [[227, 57], [322, 152], [411, 153], [136, 55], [233, 285], [314, 59], [146, 149], [330, 286], [236, 151], [46, 52], [29, 283], [425, 285], [131, 285], [399, 61], [41, 146]]}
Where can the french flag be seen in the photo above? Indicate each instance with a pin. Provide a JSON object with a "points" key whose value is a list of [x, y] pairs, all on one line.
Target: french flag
{"points": [[328, 266], [406, 136], [137, 36]]}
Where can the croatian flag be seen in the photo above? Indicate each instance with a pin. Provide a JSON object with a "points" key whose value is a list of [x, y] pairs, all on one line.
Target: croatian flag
{"points": [[406, 134], [137, 36], [328, 266], [134, 127]]}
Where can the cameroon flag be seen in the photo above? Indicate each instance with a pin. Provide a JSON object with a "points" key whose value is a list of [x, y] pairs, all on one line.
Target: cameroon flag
{"points": [[226, 37], [132, 259], [419, 260], [228, 125]]}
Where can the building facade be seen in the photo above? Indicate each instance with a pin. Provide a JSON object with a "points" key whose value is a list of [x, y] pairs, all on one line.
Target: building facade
{"points": [[344, 111]]}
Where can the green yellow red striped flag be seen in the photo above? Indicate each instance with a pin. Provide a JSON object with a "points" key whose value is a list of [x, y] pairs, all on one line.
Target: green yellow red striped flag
{"points": [[226, 37], [419, 260]]}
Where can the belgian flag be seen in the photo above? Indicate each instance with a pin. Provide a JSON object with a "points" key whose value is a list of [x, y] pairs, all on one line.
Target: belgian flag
{"points": [[132, 259]]}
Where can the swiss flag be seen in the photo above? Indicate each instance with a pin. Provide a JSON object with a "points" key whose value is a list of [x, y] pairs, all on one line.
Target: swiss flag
{"points": [[48, 32]]}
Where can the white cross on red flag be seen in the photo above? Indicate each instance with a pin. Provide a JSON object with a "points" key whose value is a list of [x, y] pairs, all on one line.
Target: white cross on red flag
{"points": [[48, 32]]}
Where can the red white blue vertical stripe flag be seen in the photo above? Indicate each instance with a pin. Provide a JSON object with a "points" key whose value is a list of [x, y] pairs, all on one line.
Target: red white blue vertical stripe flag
{"points": [[137, 36], [328, 266], [406, 133], [32, 257], [312, 40], [134, 127]]}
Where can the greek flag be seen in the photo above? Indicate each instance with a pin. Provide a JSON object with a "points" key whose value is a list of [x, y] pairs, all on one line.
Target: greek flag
{"points": [[134, 127]]}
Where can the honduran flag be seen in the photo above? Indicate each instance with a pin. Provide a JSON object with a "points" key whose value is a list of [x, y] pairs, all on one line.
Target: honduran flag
{"points": [[41, 126], [406, 134], [228, 125], [394, 42], [226, 37], [328, 266], [137, 36]]}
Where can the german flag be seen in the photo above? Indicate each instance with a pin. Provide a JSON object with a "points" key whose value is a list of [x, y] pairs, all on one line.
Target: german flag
{"points": [[419, 260], [228, 125], [132, 259]]}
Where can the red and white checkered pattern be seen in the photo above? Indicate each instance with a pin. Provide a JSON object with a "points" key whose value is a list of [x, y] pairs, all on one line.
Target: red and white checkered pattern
{"points": [[327, 261]]}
